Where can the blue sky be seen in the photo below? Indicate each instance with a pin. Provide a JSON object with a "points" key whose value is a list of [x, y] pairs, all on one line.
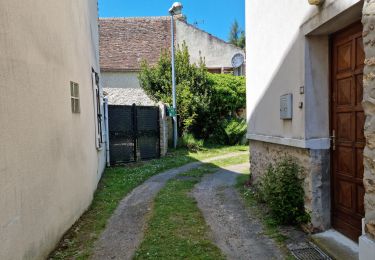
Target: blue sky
{"points": [[213, 16]]}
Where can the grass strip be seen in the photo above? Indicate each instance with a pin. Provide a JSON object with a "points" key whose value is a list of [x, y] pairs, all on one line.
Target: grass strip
{"points": [[115, 184], [270, 225], [177, 229]]}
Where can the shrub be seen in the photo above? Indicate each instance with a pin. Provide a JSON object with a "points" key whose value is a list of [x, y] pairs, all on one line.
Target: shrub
{"points": [[190, 142], [281, 189], [235, 130], [203, 99], [229, 131]]}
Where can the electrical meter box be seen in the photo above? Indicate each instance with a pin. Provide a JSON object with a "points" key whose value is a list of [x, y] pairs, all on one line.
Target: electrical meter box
{"points": [[286, 106]]}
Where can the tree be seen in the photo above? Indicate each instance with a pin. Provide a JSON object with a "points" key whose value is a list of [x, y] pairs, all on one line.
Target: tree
{"points": [[192, 86], [237, 36], [203, 99]]}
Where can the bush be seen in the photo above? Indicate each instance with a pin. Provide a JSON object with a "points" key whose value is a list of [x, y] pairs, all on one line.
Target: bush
{"points": [[190, 142], [229, 132], [235, 130], [281, 189], [203, 99]]}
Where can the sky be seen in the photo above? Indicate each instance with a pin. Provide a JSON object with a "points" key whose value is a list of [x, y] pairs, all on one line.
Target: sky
{"points": [[213, 16]]}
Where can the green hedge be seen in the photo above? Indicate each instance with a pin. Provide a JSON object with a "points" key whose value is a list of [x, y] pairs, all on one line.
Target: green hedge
{"points": [[204, 100]]}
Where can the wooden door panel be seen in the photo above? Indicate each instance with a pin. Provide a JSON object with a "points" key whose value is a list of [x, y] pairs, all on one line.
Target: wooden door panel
{"points": [[347, 122], [344, 88], [344, 57]]}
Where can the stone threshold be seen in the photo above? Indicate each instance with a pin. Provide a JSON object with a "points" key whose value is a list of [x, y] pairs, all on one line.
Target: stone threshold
{"points": [[336, 245]]}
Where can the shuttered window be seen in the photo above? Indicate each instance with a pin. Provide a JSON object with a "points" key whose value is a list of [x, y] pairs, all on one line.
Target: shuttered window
{"points": [[74, 93]]}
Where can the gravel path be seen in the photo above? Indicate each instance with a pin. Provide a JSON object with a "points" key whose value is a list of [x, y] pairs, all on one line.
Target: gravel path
{"points": [[125, 229], [236, 232]]}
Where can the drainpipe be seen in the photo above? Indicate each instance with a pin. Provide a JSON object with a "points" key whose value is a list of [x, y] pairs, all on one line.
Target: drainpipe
{"points": [[106, 131]]}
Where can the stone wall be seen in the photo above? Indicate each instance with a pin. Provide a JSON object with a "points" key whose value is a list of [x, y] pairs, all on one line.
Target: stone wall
{"points": [[315, 174], [368, 103]]}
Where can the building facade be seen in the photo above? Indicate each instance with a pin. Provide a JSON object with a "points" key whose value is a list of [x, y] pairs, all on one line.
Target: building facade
{"points": [[310, 71], [51, 155], [126, 42]]}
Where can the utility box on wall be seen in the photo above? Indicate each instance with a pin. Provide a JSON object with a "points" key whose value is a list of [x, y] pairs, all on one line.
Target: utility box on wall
{"points": [[286, 106]]}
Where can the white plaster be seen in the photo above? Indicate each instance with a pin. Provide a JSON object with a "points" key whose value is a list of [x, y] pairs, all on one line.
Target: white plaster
{"points": [[120, 80], [366, 248], [216, 52], [319, 143], [49, 164], [281, 59]]}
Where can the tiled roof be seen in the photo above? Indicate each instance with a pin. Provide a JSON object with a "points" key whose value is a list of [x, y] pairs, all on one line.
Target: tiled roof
{"points": [[125, 42], [128, 96]]}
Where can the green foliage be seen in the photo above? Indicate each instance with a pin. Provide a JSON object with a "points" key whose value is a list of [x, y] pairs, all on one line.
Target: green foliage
{"points": [[203, 99], [177, 229], [235, 130], [237, 36], [192, 88], [230, 131], [281, 189], [116, 183], [191, 143]]}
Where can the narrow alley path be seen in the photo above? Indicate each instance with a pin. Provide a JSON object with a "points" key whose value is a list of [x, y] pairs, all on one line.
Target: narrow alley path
{"points": [[124, 231], [236, 232]]}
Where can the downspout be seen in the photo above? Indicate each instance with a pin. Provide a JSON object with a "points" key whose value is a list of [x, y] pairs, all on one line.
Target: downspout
{"points": [[106, 131]]}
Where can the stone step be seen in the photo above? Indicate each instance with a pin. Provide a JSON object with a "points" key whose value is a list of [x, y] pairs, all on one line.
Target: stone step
{"points": [[336, 245]]}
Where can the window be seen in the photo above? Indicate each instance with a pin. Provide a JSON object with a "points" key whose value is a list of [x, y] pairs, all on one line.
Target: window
{"points": [[98, 110], [74, 93]]}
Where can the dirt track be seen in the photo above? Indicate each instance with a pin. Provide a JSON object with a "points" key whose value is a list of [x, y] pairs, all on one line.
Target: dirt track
{"points": [[235, 231]]}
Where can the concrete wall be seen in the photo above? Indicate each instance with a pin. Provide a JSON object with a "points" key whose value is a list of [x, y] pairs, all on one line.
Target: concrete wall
{"points": [[216, 52], [282, 57], [49, 164], [120, 80], [288, 52]]}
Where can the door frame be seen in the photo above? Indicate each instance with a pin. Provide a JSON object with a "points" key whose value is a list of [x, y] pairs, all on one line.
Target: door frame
{"points": [[331, 84]]}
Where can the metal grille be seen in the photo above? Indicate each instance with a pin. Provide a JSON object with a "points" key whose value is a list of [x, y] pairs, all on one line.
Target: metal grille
{"points": [[132, 127], [307, 251], [148, 132], [121, 134]]}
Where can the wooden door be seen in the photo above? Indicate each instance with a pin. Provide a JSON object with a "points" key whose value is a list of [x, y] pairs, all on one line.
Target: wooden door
{"points": [[347, 124]]}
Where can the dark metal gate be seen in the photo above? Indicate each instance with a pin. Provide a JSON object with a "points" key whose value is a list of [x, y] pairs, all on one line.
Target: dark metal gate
{"points": [[133, 133]]}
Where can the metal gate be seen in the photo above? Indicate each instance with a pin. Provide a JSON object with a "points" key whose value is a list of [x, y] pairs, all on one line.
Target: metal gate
{"points": [[133, 133]]}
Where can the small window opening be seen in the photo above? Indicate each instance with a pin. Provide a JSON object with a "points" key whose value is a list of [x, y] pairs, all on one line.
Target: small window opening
{"points": [[74, 93]]}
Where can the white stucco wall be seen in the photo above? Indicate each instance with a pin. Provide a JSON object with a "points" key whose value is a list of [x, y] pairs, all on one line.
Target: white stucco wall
{"points": [[49, 164], [287, 48], [123, 88], [120, 79], [216, 52]]}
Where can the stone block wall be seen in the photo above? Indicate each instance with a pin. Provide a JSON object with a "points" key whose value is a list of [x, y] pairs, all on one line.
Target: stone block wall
{"points": [[368, 103], [315, 164]]}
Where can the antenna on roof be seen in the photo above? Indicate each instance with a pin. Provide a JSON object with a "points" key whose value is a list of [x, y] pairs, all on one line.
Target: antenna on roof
{"points": [[198, 22]]}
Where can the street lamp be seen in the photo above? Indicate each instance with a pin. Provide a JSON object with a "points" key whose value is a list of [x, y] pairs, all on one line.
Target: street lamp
{"points": [[174, 10]]}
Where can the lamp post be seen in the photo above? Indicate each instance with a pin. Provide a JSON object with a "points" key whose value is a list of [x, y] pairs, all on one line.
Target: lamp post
{"points": [[174, 10]]}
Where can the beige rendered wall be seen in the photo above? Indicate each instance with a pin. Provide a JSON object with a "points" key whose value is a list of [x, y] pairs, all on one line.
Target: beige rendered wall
{"points": [[120, 80], [49, 164], [216, 52], [287, 51]]}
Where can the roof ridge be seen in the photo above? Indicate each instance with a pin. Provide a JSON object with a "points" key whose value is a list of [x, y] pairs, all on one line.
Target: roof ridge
{"points": [[136, 17]]}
